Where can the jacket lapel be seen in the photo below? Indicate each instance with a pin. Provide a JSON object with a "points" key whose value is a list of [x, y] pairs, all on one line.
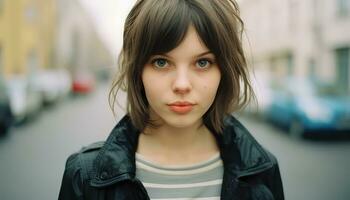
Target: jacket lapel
{"points": [[242, 156], [116, 160]]}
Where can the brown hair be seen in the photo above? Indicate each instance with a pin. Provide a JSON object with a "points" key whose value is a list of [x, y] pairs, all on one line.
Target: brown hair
{"points": [[158, 26]]}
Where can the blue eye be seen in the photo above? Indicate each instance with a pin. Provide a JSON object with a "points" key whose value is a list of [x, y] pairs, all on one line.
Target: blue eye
{"points": [[160, 62], [203, 63]]}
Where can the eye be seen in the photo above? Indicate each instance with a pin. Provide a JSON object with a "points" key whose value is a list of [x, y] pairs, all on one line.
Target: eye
{"points": [[160, 62], [203, 63]]}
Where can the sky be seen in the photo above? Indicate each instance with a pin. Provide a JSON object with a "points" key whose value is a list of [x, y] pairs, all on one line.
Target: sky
{"points": [[109, 17]]}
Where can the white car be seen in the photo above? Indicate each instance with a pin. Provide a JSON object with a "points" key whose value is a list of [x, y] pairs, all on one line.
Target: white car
{"points": [[53, 84], [65, 82], [46, 82], [25, 100]]}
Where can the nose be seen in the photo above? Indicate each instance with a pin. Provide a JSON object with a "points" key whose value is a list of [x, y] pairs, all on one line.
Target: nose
{"points": [[182, 83]]}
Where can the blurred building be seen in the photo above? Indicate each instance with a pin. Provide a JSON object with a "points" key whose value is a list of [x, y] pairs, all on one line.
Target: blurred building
{"points": [[78, 46], [309, 38], [26, 36]]}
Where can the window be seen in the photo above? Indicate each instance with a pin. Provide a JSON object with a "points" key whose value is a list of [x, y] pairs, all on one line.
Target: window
{"points": [[342, 56], [30, 13], [290, 64], [343, 7], [32, 62]]}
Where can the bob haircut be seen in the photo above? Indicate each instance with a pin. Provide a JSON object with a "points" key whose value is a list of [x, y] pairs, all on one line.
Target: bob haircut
{"points": [[158, 26]]}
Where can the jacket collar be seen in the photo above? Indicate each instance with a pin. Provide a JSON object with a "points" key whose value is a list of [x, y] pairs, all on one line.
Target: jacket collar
{"points": [[240, 152]]}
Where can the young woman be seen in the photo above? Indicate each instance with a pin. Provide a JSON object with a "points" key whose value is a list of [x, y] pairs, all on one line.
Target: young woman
{"points": [[184, 71]]}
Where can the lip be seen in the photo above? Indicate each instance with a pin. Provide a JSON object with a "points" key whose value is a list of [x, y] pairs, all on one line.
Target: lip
{"points": [[181, 103], [181, 107]]}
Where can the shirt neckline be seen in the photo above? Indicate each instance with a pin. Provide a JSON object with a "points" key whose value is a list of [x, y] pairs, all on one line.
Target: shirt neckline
{"points": [[146, 161]]}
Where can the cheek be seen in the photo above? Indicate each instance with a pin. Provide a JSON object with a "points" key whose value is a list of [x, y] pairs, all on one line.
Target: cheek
{"points": [[146, 83], [152, 85], [211, 83], [210, 88]]}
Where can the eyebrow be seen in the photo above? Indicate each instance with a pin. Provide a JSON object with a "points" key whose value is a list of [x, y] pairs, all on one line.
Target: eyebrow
{"points": [[199, 55], [204, 53]]}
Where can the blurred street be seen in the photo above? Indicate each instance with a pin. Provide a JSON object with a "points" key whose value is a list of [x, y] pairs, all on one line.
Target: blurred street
{"points": [[33, 155], [55, 53]]}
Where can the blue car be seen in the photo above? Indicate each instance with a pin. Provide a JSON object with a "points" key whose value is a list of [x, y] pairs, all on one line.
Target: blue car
{"points": [[302, 108]]}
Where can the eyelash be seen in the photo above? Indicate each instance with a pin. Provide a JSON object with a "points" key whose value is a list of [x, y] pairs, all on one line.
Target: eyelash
{"points": [[209, 60]]}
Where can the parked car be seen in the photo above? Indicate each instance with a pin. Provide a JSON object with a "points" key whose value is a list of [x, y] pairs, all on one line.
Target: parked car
{"points": [[83, 83], [6, 117], [299, 106], [46, 82], [53, 84], [25, 99], [65, 82]]}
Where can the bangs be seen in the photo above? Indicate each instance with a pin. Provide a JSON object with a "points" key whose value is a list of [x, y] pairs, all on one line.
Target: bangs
{"points": [[165, 25]]}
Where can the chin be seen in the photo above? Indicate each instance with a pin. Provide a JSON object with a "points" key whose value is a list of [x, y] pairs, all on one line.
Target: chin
{"points": [[182, 121], [166, 118]]}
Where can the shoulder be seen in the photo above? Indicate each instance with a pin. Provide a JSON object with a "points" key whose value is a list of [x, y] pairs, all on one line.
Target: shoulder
{"points": [[237, 138], [235, 133], [78, 172], [83, 160], [86, 152], [255, 163]]}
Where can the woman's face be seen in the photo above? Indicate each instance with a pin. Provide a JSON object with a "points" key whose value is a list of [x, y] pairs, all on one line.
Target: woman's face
{"points": [[181, 85]]}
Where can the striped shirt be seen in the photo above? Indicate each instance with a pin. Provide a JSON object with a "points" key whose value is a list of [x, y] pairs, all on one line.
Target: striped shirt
{"points": [[201, 181]]}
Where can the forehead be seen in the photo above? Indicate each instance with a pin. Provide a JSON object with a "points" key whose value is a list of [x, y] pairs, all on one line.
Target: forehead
{"points": [[191, 45]]}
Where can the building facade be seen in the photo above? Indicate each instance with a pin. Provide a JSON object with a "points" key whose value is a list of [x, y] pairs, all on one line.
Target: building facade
{"points": [[78, 47], [308, 38], [26, 36]]}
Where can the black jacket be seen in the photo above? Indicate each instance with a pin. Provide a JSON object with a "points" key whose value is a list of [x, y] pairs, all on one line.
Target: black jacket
{"points": [[106, 170]]}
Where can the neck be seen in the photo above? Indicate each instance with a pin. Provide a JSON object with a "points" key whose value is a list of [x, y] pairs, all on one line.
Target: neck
{"points": [[186, 145], [174, 137]]}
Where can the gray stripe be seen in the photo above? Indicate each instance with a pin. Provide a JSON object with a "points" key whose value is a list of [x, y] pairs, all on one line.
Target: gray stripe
{"points": [[146, 176], [198, 192], [151, 177], [190, 167]]}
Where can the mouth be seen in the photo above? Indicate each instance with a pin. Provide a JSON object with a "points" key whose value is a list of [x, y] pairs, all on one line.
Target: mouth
{"points": [[181, 107]]}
